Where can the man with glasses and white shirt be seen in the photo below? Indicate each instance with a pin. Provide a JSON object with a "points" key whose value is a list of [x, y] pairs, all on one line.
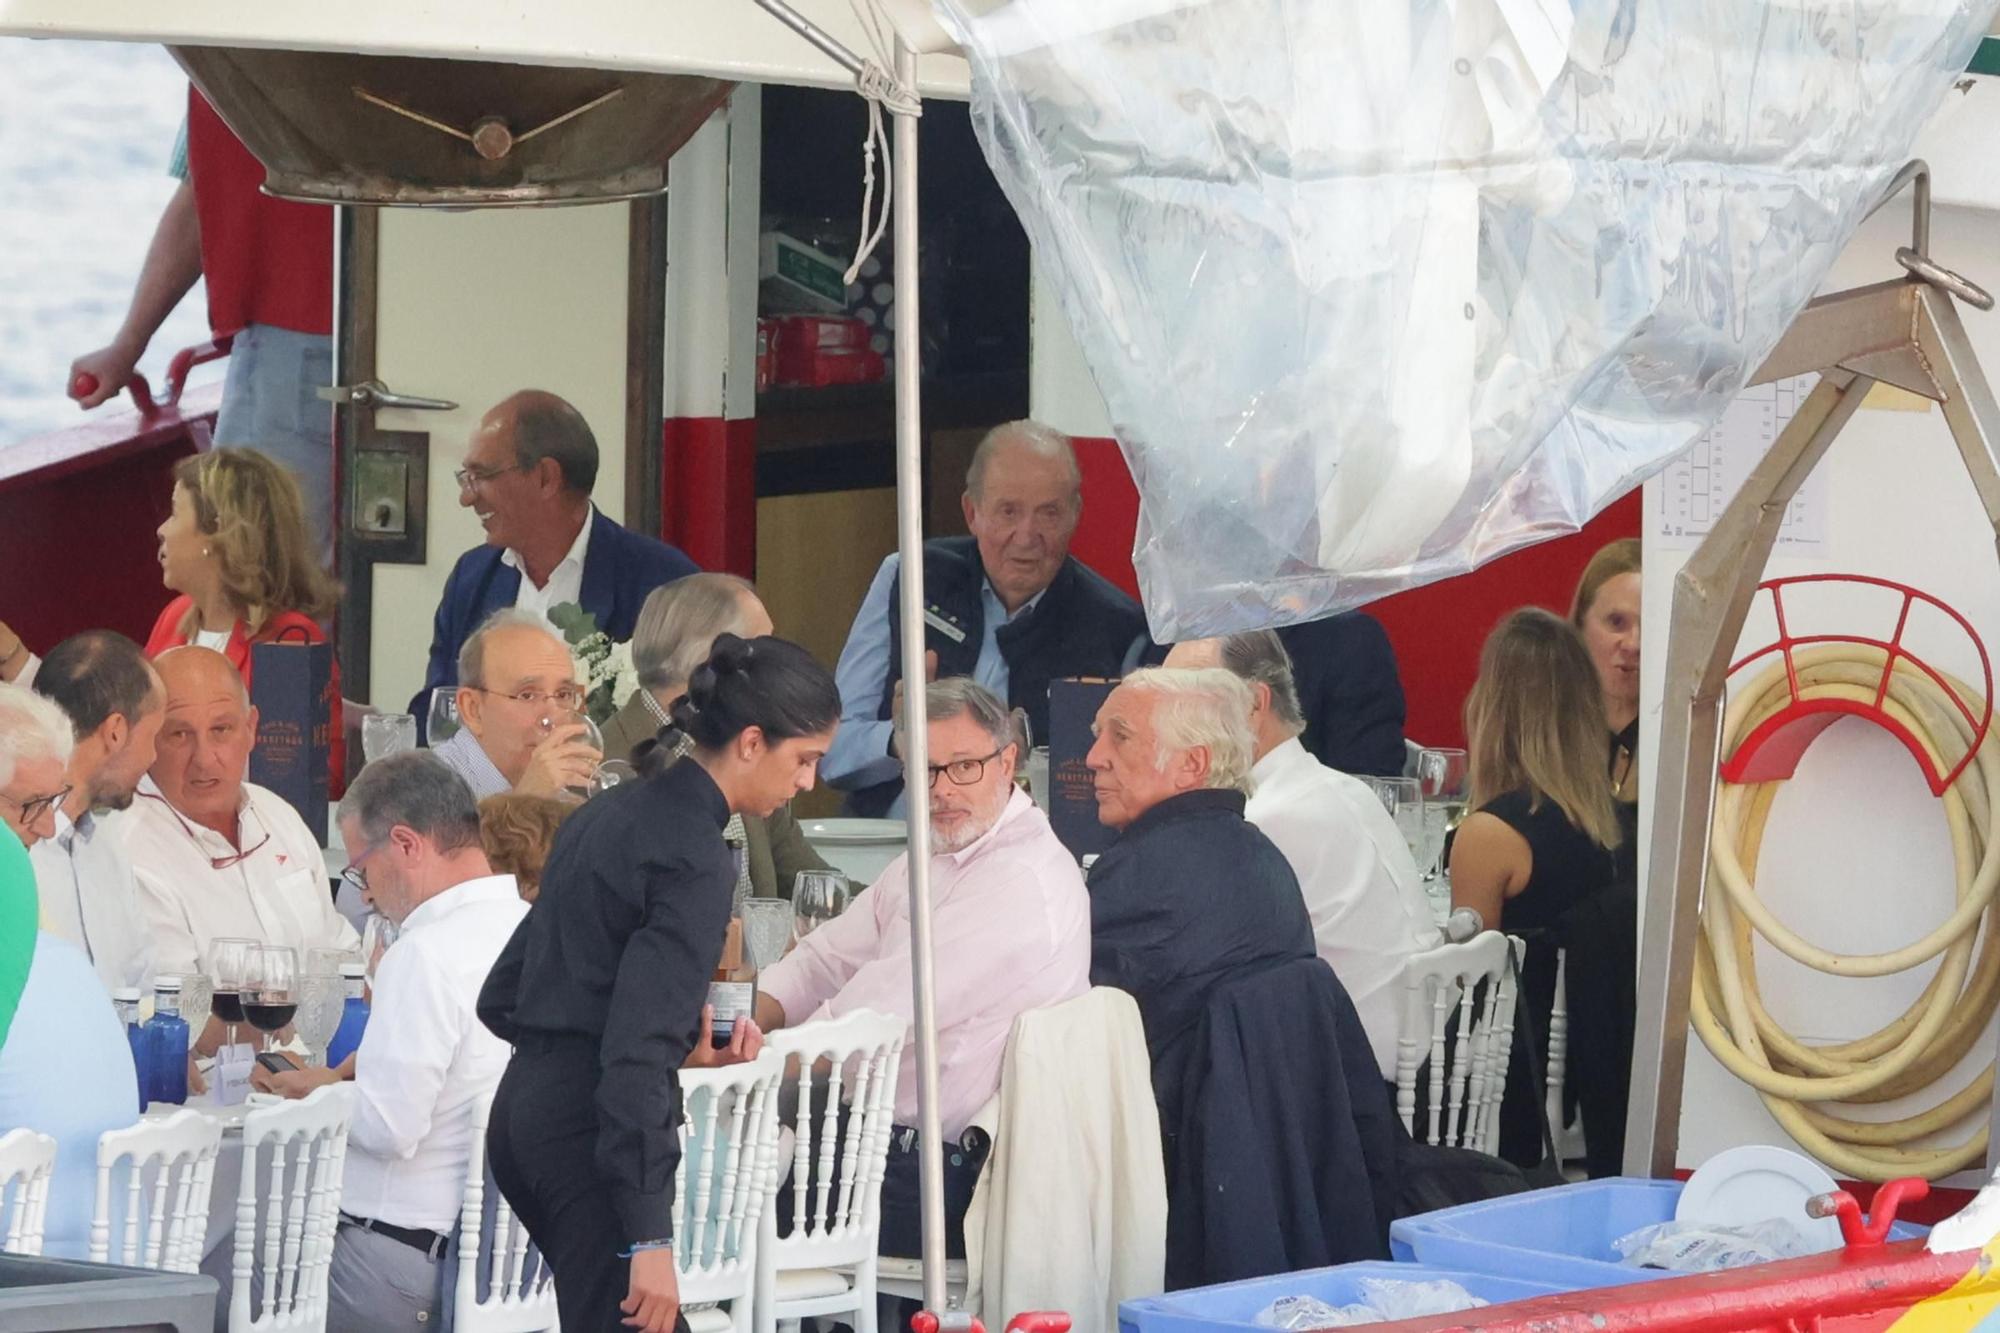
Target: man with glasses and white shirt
{"points": [[216, 856], [426, 1059], [518, 706]]}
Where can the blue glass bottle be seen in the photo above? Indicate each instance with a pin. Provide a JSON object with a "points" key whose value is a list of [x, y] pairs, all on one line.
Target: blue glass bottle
{"points": [[126, 1001], [353, 1016], [165, 1044]]}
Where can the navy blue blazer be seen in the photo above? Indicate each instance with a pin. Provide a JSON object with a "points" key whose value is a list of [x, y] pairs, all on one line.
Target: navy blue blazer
{"points": [[619, 569]]}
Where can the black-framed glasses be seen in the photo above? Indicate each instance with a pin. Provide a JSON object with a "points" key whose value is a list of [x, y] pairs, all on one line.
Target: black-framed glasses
{"points": [[354, 875], [566, 696], [214, 862], [35, 807], [964, 772], [471, 478]]}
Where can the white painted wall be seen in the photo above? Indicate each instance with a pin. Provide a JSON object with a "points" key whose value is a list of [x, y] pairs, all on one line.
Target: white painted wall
{"points": [[1857, 856], [473, 307]]}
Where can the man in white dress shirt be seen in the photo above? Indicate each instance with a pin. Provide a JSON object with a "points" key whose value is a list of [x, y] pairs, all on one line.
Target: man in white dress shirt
{"points": [[1367, 904], [115, 704], [1010, 931], [518, 699], [426, 1059], [216, 856]]}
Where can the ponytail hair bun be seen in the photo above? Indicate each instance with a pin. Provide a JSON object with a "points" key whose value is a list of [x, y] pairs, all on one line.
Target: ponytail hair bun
{"points": [[768, 683]]}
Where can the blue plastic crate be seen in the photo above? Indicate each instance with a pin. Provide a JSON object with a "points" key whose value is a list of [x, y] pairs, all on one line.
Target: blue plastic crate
{"points": [[1236, 1304], [1560, 1235]]}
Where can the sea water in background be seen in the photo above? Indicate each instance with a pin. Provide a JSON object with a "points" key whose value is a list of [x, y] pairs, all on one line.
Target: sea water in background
{"points": [[86, 131]]}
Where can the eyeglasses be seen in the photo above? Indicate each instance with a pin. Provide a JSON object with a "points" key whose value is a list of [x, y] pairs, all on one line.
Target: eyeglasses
{"points": [[471, 478], [354, 875], [214, 862], [963, 772], [566, 696], [35, 807]]}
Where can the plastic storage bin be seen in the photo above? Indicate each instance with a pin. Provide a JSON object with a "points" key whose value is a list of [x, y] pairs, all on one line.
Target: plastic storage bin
{"points": [[53, 1295], [1236, 1304], [1560, 1235]]}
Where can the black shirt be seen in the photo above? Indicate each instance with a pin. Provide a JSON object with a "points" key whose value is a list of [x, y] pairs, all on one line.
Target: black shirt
{"points": [[1190, 895], [619, 949]]}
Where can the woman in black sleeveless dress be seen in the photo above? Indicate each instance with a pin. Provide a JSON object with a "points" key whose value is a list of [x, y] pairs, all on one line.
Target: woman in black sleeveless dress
{"points": [[1542, 838]]}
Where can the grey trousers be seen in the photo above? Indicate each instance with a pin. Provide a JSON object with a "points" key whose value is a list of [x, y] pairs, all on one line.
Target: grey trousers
{"points": [[378, 1283]]}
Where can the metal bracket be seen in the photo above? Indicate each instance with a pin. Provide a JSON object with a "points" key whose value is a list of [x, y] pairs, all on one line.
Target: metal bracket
{"points": [[1904, 332], [374, 393]]}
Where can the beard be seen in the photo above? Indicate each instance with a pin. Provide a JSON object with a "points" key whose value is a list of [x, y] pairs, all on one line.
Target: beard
{"points": [[975, 825], [108, 799]]}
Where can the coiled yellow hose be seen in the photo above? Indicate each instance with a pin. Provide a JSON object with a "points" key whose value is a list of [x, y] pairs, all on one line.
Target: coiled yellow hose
{"points": [[1928, 1040]]}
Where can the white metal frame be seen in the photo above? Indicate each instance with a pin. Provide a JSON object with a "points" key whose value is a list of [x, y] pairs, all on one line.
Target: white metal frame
{"points": [[519, 1295], [308, 1140], [1464, 1110], [166, 1217], [27, 1162]]}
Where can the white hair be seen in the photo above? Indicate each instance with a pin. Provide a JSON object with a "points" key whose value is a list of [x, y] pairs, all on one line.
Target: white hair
{"points": [[31, 727], [1206, 708], [1044, 442]]}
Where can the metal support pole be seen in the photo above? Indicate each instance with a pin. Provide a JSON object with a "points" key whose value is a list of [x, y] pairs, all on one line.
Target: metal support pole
{"points": [[825, 42], [916, 750]]}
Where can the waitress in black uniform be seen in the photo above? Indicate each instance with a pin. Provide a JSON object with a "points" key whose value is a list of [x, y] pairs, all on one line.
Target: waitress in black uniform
{"points": [[601, 989], [1543, 835]]}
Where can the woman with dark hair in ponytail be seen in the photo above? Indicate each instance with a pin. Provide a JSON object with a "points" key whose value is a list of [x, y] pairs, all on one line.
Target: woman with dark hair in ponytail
{"points": [[601, 989]]}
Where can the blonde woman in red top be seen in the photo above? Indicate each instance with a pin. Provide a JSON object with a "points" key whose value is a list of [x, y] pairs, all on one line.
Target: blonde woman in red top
{"points": [[236, 550]]}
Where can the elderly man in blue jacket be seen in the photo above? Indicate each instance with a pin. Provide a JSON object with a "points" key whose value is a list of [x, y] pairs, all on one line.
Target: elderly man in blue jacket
{"points": [[528, 474]]}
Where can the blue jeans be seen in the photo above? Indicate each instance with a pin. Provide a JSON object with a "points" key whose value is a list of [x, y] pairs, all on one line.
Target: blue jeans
{"points": [[270, 403]]}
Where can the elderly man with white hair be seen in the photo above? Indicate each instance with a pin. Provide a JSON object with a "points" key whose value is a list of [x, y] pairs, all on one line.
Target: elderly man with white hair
{"points": [[1369, 913], [35, 745], [1010, 932], [1191, 894]]}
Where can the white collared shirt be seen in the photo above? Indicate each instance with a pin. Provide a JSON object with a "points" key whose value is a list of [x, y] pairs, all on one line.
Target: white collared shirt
{"points": [[426, 1058], [90, 898], [276, 894], [1010, 931], [1362, 891], [565, 580]]}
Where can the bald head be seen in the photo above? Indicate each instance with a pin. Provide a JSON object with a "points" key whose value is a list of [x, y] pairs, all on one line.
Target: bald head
{"points": [[191, 671], [204, 744], [535, 424]]}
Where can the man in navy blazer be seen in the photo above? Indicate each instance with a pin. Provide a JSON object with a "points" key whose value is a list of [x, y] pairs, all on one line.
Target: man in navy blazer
{"points": [[528, 475]]}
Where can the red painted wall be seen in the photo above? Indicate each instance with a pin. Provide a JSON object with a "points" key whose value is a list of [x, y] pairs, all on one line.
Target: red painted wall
{"points": [[1437, 630]]}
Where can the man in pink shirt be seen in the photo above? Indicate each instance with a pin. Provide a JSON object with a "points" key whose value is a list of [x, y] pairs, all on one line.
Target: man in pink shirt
{"points": [[1010, 932]]}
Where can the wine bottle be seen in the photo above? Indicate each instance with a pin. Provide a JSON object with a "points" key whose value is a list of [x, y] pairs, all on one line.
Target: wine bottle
{"points": [[733, 991]]}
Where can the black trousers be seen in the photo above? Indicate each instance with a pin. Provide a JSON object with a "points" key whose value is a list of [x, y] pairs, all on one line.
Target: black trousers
{"points": [[541, 1142]]}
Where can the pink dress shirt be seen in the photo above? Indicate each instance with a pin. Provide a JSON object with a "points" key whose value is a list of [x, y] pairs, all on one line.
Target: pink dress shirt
{"points": [[1010, 931]]}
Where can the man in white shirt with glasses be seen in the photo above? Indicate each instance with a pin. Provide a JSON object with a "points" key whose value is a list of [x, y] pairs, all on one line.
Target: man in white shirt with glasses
{"points": [[426, 1060], [215, 855], [519, 710]]}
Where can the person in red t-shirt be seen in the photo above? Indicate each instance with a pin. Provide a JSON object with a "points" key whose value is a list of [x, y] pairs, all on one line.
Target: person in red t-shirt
{"points": [[269, 266]]}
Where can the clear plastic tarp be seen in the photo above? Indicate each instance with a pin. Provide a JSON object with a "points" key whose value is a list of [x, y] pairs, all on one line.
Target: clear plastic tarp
{"points": [[1376, 290]]}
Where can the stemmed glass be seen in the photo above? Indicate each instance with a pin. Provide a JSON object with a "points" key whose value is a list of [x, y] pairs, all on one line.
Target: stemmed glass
{"points": [[195, 993], [1403, 798], [1444, 776], [228, 970], [609, 772], [818, 896], [442, 724], [271, 990]]}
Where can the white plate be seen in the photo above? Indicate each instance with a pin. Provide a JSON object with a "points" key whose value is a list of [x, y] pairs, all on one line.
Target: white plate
{"points": [[1757, 1182], [857, 832]]}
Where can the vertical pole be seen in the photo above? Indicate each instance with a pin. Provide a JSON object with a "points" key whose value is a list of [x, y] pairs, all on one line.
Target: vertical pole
{"points": [[916, 750]]}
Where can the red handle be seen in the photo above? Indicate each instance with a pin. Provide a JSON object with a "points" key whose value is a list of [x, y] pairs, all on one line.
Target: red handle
{"points": [[1040, 1321], [84, 385], [1859, 1233]]}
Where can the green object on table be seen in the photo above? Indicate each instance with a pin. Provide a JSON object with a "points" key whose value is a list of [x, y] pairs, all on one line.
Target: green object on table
{"points": [[20, 911]]}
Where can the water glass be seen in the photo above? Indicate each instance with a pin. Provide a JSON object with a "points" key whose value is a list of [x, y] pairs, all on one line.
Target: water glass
{"points": [[322, 1000], [376, 937], [384, 734], [443, 722], [326, 962], [195, 992], [767, 930], [818, 896]]}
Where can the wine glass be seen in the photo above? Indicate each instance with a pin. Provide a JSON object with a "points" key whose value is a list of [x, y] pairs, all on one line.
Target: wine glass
{"points": [[228, 970], [767, 929], [818, 896], [593, 736], [443, 722], [271, 990], [384, 734], [322, 1000]]}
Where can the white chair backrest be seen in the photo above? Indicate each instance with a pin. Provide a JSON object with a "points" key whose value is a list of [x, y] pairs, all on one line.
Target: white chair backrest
{"points": [[27, 1162], [837, 1177], [1558, 1062], [293, 1152], [517, 1292], [169, 1167], [1466, 1085], [729, 1154]]}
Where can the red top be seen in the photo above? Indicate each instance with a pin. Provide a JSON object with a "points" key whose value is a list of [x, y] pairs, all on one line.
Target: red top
{"points": [[167, 634], [266, 261]]}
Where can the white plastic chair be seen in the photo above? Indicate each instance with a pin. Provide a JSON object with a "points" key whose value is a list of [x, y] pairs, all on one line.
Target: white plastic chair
{"points": [[519, 1292], [828, 1264], [169, 1167], [1570, 1145], [729, 1133], [1465, 1106], [27, 1163], [305, 1143]]}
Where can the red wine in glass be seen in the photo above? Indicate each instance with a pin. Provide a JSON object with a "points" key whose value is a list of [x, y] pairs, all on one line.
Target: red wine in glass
{"points": [[227, 1005], [270, 1013]]}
